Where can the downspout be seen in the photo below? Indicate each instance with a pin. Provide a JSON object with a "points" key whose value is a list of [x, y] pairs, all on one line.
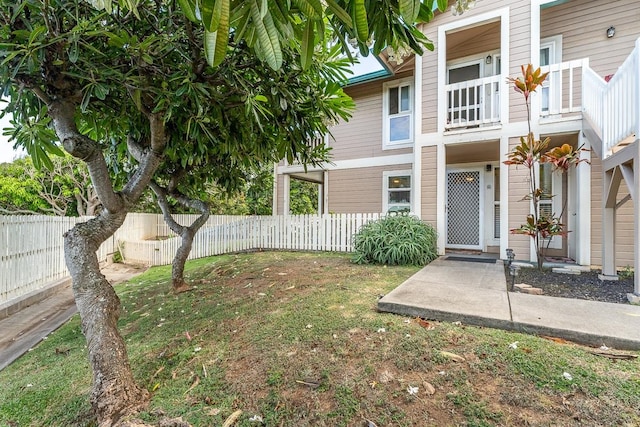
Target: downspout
{"points": [[416, 197]]}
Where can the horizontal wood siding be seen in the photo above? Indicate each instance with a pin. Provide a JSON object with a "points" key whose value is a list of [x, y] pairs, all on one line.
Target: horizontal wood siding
{"points": [[487, 40], [624, 229], [520, 54], [281, 195], [583, 25], [358, 190], [624, 220], [361, 136], [429, 188], [519, 50], [518, 208]]}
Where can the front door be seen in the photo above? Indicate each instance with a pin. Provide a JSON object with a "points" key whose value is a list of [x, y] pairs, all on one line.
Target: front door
{"points": [[464, 225]]}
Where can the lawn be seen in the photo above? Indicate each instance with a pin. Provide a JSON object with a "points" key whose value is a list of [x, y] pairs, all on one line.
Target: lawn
{"points": [[294, 339]]}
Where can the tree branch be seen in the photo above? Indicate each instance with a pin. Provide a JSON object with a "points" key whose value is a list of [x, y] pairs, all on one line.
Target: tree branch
{"points": [[149, 159], [161, 193], [85, 149]]}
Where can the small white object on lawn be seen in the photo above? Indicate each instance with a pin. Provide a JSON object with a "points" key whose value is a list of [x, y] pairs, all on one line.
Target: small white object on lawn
{"points": [[412, 390]]}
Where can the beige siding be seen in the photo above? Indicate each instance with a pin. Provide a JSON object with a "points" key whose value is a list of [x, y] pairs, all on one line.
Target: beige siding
{"points": [[281, 195], [583, 25], [518, 209], [487, 39], [624, 230], [358, 190], [624, 220], [429, 187], [519, 50], [520, 54], [361, 136]]}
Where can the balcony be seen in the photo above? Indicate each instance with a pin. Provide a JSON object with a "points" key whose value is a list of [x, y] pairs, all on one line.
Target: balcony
{"points": [[561, 93], [473, 103]]}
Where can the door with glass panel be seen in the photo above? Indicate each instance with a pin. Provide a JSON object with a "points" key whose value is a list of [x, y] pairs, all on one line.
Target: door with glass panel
{"points": [[463, 209], [464, 102]]}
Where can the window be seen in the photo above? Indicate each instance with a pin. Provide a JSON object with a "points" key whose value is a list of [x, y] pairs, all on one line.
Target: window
{"points": [[550, 53], [397, 191], [398, 113], [550, 204]]}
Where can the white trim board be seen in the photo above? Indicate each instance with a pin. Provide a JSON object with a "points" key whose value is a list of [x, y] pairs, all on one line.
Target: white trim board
{"points": [[393, 160]]}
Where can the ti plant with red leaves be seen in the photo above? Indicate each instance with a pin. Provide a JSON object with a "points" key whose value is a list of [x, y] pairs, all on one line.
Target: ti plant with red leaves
{"points": [[531, 153]]}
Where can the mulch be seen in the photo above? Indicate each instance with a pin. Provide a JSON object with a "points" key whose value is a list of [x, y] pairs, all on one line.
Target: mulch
{"points": [[585, 286]]}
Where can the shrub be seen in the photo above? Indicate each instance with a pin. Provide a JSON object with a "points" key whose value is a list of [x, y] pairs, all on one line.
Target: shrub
{"points": [[396, 240]]}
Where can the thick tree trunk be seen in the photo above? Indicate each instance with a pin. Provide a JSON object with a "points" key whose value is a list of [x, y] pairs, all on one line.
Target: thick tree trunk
{"points": [[186, 233], [115, 392]]}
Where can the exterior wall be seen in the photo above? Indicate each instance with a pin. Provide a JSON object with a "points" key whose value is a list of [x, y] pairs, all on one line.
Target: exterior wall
{"points": [[624, 220], [358, 190], [361, 137], [429, 199], [519, 51], [518, 208], [624, 230], [488, 40], [281, 195], [596, 210], [519, 54], [583, 25]]}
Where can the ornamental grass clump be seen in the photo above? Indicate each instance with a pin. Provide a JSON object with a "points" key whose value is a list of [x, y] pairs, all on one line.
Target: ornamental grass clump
{"points": [[395, 240]]}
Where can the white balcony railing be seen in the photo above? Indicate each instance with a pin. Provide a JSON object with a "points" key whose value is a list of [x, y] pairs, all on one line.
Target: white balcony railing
{"points": [[613, 108], [473, 102], [561, 93]]}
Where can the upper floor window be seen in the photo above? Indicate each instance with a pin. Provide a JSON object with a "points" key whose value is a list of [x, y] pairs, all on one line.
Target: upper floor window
{"points": [[397, 191], [398, 113]]}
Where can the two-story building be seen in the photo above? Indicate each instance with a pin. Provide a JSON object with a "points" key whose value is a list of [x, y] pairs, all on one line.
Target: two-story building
{"points": [[430, 133]]}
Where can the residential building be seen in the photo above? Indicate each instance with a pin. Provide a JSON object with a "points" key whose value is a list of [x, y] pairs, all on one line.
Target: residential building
{"points": [[430, 133]]}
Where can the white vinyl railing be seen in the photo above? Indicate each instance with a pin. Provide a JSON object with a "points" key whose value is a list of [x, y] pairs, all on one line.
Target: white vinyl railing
{"points": [[473, 102], [621, 100], [614, 107], [562, 90], [593, 90], [32, 247]]}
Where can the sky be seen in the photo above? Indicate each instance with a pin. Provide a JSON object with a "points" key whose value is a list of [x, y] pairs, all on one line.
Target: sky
{"points": [[7, 154]]}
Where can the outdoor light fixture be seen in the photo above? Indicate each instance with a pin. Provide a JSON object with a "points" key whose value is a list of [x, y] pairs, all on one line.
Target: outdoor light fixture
{"points": [[611, 31], [510, 256], [488, 59]]}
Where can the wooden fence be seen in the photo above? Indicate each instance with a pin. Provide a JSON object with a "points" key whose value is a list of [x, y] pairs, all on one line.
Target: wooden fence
{"points": [[32, 253]]}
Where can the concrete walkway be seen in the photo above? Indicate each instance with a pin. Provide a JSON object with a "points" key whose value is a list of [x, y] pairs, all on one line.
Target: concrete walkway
{"points": [[25, 323], [476, 294]]}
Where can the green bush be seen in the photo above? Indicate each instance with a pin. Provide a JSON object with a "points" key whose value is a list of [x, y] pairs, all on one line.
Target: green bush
{"points": [[396, 240]]}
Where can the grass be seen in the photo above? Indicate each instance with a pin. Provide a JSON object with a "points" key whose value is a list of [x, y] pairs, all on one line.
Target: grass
{"points": [[296, 339]]}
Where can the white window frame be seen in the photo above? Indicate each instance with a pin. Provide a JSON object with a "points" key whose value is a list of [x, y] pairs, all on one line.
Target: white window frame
{"points": [[387, 144], [555, 202], [385, 189], [554, 44]]}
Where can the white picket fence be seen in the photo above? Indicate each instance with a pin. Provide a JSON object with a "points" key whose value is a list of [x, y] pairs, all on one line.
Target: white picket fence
{"points": [[32, 253]]}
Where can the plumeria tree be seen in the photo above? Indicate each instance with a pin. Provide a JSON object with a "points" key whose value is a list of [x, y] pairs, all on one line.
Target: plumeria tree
{"points": [[109, 80], [540, 224]]}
